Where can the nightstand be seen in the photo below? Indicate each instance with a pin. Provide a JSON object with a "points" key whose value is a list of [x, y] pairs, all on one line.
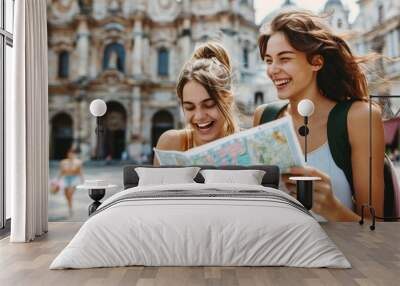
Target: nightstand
{"points": [[96, 190]]}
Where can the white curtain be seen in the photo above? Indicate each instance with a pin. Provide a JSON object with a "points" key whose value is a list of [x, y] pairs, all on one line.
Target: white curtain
{"points": [[27, 123]]}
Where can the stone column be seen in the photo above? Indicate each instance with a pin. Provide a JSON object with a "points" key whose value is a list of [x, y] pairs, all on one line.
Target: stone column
{"points": [[77, 121], [83, 48], [238, 50], [146, 64], [186, 36], [135, 146], [85, 130], [93, 61], [186, 40], [137, 48], [136, 111], [186, 7], [85, 113], [53, 65]]}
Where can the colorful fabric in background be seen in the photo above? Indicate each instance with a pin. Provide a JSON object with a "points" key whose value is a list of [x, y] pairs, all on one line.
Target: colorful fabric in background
{"points": [[54, 186], [391, 126], [396, 188]]}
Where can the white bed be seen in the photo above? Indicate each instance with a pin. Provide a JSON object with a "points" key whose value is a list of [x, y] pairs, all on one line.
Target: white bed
{"points": [[249, 225]]}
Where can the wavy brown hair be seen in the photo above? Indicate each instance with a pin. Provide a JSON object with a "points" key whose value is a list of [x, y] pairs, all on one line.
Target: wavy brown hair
{"points": [[340, 77], [211, 67]]}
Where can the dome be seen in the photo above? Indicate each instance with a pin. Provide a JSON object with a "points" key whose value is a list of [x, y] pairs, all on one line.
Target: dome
{"points": [[288, 5], [333, 3]]}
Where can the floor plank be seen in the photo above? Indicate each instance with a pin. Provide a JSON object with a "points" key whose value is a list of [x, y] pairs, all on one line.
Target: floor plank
{"points": [[374, 255]]}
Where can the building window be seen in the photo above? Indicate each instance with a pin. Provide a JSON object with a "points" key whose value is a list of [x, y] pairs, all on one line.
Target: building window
{"points": [[360, 48], [339, 23], [163, 62], [258, 98], [380, 13], [63, 64], [114, 57], [204, 38], [392, 43], [246, 58], [6, 64], [389, 46]]}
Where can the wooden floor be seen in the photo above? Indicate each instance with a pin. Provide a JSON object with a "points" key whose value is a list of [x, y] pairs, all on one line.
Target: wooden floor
{"points": [[374, 255]]}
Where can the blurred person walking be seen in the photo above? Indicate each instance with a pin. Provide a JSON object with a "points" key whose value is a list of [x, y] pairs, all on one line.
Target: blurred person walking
{"points": [[70, 175]]}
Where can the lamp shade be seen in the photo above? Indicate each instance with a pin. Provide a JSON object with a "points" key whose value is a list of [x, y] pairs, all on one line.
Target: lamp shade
{"points": [[305, 107], [98, 107]]}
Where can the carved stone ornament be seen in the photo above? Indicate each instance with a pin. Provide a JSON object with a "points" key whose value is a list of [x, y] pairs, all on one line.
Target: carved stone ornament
{"points": [[165, 4], [111, 76], [163, 10], [62, 11], [63, 5]]}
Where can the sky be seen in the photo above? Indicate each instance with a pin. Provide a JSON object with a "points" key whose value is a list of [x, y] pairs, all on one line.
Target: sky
{"points": [[264, 7]]}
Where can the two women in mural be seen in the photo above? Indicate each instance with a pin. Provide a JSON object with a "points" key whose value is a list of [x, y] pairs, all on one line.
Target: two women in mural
{"points": [[305, 60]]}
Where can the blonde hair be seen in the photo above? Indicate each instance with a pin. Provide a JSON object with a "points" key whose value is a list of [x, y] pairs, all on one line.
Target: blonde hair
{"points": [[211, 67]]}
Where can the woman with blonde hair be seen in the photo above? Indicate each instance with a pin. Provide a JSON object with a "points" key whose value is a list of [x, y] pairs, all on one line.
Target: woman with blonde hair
{"points": [[305, 60], [204, 89]]}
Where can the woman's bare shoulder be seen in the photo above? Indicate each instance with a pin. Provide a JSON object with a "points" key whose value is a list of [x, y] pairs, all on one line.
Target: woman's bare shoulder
{"points": [[358, 120], [172, 140], [359, 113]]}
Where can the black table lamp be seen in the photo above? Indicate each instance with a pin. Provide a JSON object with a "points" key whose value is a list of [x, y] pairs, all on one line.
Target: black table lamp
{"points": [[97, 108], [305, 184]]}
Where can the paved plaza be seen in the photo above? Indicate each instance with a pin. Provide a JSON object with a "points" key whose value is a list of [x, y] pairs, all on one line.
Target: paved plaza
{"points": [[58, 209]]}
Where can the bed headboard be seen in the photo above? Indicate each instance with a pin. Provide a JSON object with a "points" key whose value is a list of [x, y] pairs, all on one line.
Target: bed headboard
{"points": [[270, 179]]}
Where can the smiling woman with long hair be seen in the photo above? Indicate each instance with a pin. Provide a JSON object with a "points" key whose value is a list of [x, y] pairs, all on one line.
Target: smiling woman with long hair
{"points": [[305, 60], [204, 89]]}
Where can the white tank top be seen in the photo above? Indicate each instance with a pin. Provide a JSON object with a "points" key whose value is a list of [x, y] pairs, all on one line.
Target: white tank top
{"points": [[322, 159]]}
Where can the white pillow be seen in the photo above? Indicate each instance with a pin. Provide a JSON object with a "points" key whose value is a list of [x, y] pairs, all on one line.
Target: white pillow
{"points": [[248, 177], [164, 176]]}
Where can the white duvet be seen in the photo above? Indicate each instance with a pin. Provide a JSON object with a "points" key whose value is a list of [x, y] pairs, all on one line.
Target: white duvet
{"points": [[200, 231]]}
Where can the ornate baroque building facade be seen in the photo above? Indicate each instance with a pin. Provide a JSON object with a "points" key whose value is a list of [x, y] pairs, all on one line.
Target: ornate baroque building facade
{"points": [[129, 53], [377, 29]]}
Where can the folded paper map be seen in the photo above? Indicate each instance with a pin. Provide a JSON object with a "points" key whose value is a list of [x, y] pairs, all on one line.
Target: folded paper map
{"points": [[273, 143]]}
